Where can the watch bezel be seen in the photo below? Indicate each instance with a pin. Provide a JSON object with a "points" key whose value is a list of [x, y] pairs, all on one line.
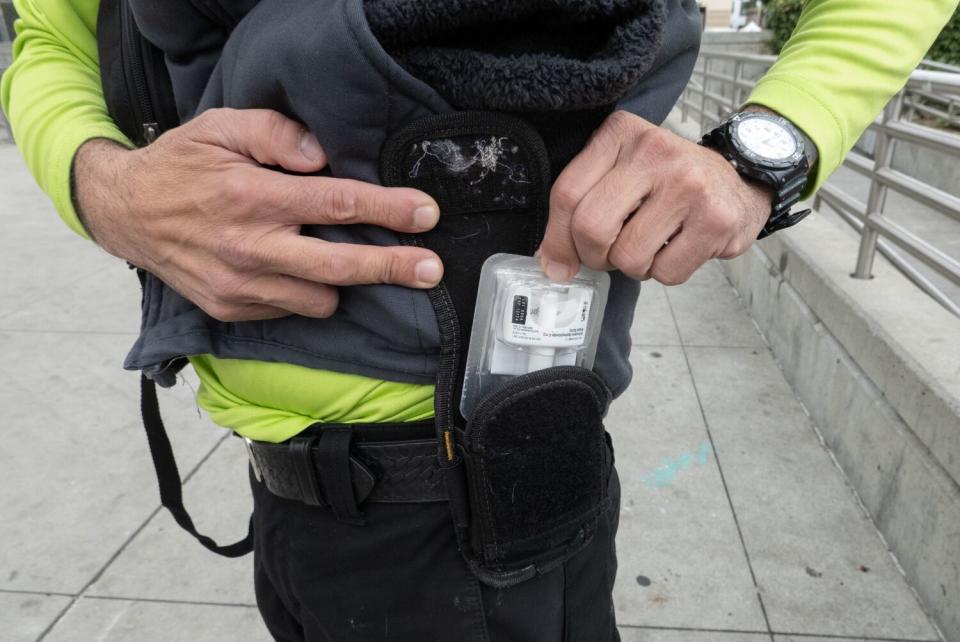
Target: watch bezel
{"points": [[765, 161]]}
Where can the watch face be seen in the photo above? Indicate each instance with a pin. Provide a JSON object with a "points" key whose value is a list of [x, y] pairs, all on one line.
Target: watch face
{"points": [[766, 138]]}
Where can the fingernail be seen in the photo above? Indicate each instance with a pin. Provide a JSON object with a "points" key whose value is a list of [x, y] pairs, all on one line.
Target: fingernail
{"points": [[425, 217], [429, 271], [310, 146], [556, 271]]}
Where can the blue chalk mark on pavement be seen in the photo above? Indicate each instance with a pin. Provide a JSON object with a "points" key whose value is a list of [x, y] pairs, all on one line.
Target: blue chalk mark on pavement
{"points": [[670, 467]]}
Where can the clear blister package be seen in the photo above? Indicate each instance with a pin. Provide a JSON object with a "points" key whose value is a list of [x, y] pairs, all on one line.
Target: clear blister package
{"points": [[525, 322]]}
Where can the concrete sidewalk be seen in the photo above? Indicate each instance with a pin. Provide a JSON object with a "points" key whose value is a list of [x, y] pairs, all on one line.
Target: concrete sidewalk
{"points": [[736, 523]]}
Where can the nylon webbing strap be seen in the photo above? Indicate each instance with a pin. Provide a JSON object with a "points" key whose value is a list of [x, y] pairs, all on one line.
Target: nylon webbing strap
{"points": [[168, 477]]}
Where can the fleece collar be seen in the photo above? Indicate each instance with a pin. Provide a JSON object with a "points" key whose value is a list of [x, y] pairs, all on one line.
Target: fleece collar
{"points": [[522, 55]]}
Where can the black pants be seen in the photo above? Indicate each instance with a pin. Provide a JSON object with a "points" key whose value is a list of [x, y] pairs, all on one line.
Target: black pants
{"points": [[400, 578]]}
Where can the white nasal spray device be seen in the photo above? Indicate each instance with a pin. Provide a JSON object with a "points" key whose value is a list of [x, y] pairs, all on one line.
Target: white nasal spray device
{"points": [[542, 325], [524, 322]]}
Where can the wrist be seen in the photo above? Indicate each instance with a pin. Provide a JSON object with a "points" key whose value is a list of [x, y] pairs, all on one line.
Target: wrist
{"points": [[98, 178]]}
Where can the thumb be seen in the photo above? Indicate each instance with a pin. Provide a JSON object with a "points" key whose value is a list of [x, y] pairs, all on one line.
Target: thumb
{"points": [[267, 136], [558, 253]]}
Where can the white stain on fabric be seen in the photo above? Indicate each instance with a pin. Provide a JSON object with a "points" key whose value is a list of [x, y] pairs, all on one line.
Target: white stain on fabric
{"points": [[488, 153]]}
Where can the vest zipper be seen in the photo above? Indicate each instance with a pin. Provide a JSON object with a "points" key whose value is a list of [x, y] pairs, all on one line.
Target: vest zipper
{"points": [[131, 42]]}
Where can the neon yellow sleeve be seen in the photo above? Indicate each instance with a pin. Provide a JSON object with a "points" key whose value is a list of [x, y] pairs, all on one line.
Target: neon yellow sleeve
{"points": [[51, 93], [845, 60]]}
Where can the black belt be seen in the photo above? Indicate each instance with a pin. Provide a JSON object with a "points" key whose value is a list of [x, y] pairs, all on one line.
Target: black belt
{"points": [[343, 466]]}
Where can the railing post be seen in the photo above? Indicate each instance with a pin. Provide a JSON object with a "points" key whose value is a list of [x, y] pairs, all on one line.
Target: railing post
{"points": [[703, 94], [687, 96], [4, 35], [911, 111], [737, 90], [883, 156]]}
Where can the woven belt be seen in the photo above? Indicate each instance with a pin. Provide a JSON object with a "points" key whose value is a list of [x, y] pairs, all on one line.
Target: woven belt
{"points": [[327, 464]]}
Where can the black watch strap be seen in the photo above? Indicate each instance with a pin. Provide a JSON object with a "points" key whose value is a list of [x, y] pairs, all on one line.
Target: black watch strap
{"points": [[781, 216]]}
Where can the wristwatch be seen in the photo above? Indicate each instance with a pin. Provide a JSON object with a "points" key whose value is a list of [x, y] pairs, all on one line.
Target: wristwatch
{"points": [[767, 148]]}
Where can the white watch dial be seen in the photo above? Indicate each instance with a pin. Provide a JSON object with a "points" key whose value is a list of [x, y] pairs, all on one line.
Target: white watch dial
{"points": [[766, 138]]}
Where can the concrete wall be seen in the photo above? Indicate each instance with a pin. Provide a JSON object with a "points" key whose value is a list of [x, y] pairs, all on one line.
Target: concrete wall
{"points": [[876, 365]]}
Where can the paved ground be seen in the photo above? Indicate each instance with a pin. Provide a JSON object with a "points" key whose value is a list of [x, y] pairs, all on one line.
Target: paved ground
{"points": [[736, 526]]}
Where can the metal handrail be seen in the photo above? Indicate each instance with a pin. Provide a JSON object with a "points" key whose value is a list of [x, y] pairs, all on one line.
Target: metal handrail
{"points": [[711, 95], [933, 94], [939, 66]]}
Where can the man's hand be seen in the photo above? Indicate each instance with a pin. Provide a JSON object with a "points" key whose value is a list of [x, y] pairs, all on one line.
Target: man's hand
{"points": [[649, 203], [197, 209]]}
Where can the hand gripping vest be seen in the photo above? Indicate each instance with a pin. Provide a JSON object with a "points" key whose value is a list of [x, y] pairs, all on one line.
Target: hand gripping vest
{"points": [[480, 104]]}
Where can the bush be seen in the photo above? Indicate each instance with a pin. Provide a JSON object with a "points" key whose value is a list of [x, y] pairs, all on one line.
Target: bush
{"points": [[947, 47], [781, 18]]}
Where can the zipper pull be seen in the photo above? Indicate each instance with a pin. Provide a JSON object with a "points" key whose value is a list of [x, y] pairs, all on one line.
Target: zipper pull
{"points": [[150, 132]]}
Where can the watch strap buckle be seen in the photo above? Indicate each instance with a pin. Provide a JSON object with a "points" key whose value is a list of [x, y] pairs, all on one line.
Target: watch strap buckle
{"points": [[783, 221]]}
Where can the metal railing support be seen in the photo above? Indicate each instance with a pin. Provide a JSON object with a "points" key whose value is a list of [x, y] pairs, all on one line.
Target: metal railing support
{"points": [[737, 86], [684, 107], [704, 86], [883, 157], [939, 66], [5, 35]]}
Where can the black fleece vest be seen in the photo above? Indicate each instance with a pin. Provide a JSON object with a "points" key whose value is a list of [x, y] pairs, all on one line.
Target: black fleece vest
{"points": [[320, 62]]}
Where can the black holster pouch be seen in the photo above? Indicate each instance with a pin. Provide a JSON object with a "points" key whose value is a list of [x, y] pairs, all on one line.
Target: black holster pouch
{"points": [[527, 473], [537, 464]]}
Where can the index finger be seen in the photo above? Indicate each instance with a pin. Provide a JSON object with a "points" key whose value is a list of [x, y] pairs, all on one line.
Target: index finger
{"points": [[322, 200], [558, 252]]}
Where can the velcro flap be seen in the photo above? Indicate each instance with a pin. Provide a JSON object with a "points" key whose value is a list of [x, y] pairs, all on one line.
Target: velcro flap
{"points": [[539, 467]]}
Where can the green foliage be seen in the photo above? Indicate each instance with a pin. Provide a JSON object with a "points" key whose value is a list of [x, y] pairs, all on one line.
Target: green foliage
{"points": [[947, 47], [781, 19]]}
